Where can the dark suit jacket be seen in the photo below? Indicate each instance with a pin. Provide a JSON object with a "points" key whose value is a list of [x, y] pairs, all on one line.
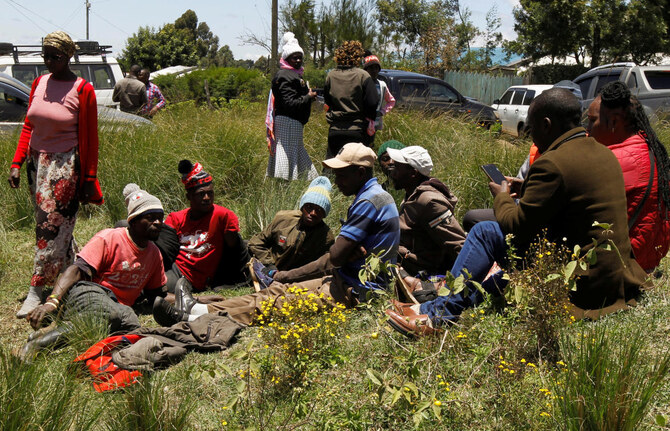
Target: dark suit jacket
{"points": [[575, 183]]}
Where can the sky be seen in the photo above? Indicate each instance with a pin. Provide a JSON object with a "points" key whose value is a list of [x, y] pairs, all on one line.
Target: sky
{"points": [[111, 22]]}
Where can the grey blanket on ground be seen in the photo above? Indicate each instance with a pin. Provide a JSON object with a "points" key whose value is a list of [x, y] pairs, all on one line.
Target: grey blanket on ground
{"points": [[168, 345]]}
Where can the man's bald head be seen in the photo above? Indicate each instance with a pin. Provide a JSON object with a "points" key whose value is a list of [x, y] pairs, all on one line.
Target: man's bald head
{"points": [[551, 114]]}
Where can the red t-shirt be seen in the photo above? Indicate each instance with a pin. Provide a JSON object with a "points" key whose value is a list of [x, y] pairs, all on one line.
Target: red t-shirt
{"points": [[201, 242], [121, 266]]}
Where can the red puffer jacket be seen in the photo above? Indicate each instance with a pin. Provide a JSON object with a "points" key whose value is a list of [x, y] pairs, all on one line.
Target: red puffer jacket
{"points": [[650, 235]]}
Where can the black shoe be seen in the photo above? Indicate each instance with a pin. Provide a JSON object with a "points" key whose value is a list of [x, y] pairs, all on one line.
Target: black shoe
{"points": [[165, 314], [53, 338], [183, 299]]}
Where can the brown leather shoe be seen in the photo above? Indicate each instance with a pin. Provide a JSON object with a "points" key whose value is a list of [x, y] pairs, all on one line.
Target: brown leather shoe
{"points": [[400, 307], [411, 325]]}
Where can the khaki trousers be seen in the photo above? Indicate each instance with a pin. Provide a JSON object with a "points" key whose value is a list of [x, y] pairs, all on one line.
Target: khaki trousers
{"points": [[245, 308]]}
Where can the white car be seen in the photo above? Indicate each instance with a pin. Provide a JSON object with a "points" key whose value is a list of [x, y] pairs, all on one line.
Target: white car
{"points": [[91, 62], [512, 107]]}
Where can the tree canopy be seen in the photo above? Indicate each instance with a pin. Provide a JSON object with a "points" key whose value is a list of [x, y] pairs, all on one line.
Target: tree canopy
{"points": [[184, 42], [604, 30]]}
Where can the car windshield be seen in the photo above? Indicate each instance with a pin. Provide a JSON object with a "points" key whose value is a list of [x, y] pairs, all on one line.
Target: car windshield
{"points": [[658, 79]]}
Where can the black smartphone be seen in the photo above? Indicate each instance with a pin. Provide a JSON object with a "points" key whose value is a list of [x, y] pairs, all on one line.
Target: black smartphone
{"points": [[493, 173]]}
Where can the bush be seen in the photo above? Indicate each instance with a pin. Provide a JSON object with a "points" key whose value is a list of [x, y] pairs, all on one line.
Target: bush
{"points": [[224, 83]]}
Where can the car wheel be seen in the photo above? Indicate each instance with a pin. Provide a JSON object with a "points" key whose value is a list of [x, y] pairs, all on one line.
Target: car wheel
{"points": [[522, 131]]}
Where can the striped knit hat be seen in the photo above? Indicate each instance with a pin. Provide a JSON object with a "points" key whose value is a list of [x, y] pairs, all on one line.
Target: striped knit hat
{"points": [[318, 193], [193, 175]]}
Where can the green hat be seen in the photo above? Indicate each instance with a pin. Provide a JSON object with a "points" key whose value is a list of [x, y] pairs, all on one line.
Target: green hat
{"points": [[396, 145]]}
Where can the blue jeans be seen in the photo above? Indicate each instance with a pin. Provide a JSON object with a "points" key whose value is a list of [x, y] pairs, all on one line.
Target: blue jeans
{"points": [[484, 245]]}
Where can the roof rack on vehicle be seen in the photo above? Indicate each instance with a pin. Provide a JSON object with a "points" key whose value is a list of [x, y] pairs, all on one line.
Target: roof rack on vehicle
{"points": [[620, 64], [86, 47]]}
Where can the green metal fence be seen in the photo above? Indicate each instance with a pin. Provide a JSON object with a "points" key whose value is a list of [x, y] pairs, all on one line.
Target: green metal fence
{"points": [[482, 86]]}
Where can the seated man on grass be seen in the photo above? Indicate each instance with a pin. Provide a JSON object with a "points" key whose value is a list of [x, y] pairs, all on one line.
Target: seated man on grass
{"points": [[575, 183], [211, 251], [108, 275], [296, 238], [371, 225], [430, 235]]}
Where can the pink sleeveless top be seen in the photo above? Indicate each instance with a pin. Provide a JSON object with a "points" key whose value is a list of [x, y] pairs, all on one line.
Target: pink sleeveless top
{"points": [[54, 113]]}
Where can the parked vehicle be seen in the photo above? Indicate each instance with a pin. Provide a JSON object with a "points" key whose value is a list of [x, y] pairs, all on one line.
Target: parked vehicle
{"points": [[512, 107], [651, 85], [14, 96], [416, 91], [91, 62]]}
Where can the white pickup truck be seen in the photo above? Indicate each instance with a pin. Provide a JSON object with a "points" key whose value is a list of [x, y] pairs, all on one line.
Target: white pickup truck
{"points": [[650, 84]]}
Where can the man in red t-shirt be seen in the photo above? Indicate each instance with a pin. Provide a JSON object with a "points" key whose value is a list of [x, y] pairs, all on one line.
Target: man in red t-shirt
{"points": [[211, 251], [108, 275]]}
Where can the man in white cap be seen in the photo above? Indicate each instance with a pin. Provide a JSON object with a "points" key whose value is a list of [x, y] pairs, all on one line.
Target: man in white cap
{"points": [[108, 274], [371, 227], [430, 235]]}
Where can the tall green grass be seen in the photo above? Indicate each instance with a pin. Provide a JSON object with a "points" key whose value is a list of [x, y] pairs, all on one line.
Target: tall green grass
{"points": [[464, 370]]}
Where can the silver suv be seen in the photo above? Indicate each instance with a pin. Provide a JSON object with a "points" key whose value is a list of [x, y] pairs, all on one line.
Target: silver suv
{"points": [[651, 85]]}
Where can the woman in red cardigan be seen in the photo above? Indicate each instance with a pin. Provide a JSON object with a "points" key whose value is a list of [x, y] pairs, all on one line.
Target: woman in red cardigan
{"points": [[59, 141]]}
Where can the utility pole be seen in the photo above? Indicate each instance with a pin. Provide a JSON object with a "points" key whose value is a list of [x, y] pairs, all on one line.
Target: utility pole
{"points": [[274, 62], [88, 8]]}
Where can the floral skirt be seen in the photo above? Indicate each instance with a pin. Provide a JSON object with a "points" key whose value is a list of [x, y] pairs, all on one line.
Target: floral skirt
{"points": [[53, 180]]}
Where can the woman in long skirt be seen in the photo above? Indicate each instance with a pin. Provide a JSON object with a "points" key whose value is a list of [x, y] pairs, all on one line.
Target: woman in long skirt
{"points": [[288, 111]]}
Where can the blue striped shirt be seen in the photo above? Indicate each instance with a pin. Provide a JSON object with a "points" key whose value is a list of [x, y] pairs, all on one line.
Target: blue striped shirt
{"points": [[372, 221]]}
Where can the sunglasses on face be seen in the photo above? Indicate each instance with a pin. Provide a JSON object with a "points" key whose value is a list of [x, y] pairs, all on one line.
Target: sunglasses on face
{"points": [[53, 57]]}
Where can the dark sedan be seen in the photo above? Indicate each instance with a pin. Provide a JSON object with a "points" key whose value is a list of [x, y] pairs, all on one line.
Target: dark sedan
{"points": [[417, 91]]}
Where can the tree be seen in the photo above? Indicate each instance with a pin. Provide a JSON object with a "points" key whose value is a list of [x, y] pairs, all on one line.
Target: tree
{"points": [[605, 30], [224, 57], [185, 42]]}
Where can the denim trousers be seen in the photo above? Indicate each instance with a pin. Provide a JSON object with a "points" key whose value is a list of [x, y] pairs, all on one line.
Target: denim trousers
{"points": [[484, 245]]}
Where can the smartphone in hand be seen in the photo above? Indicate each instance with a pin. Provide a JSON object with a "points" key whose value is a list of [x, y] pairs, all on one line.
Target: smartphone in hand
{"points": [[491, 171]]}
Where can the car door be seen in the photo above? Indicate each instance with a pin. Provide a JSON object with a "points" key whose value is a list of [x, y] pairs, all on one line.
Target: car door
{"points": [[413, 93], [13, 107], [522, 114], [441, 97], [503, 110]]}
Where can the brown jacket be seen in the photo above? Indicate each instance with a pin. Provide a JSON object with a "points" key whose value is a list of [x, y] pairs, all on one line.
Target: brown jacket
{"points": [[286, 245], [575, 183], [430, 235]]}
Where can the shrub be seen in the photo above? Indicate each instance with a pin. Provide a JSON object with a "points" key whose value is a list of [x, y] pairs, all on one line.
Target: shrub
{"points": [[224, 83]]}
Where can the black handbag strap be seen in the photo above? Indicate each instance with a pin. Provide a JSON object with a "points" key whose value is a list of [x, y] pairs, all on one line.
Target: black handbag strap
{"points": [[638, 210]]}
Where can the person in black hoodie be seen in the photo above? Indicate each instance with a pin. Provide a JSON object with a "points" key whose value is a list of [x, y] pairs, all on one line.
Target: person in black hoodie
{"points": [[288, 112]]}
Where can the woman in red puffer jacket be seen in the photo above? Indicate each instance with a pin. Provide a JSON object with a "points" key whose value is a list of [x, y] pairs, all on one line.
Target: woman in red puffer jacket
{"points": [[617, 120]]}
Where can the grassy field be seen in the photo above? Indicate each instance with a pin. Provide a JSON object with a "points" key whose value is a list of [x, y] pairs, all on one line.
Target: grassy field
{"points": [[483, 374]]}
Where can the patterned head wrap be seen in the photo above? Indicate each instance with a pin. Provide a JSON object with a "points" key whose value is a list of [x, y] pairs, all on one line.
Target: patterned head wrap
{"points": [[62, 42], [192, 175]]}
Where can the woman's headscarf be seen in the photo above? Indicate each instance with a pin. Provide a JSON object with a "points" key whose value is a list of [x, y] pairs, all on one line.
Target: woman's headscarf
{"points": [[61, 41]]}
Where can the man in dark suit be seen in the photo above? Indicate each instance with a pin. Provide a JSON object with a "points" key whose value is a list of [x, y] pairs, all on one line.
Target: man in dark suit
{"points": [[573, 184]]}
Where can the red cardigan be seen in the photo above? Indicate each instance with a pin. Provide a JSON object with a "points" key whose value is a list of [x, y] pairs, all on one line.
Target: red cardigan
{"points": [[87, 137]]}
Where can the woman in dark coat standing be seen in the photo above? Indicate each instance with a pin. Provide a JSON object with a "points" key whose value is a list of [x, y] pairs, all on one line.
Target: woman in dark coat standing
{"points": [[288, 111]]}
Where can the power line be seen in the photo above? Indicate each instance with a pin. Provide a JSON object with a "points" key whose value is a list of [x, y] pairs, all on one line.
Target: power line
{"points": [[113, 25], [69, 18], [25, 16], [14, 4]]}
